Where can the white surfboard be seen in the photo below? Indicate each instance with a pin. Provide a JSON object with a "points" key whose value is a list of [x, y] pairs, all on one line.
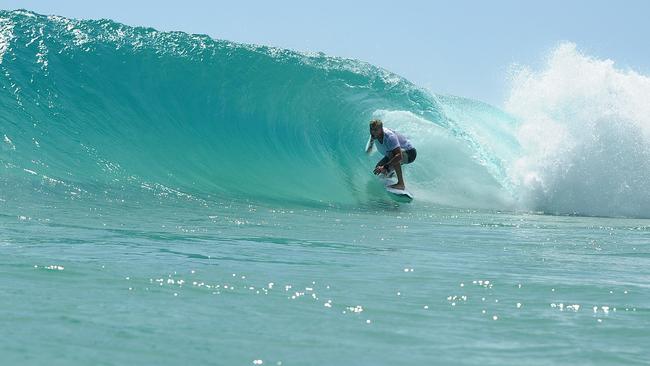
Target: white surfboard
{"points": [[397, 193]]}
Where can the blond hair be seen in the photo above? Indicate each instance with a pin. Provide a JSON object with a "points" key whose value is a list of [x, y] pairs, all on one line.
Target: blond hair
{"points": [[376, 124]]}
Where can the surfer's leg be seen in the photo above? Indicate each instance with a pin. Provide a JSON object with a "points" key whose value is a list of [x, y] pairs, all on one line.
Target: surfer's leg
{"points": [[400, 179], [398, 169]]}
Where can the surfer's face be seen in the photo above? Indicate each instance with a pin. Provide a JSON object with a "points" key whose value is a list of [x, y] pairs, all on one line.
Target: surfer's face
{"points": [[375, 132]]}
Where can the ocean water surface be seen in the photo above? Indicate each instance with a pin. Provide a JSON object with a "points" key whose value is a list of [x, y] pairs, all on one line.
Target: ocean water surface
{"points": [[168, 198]]}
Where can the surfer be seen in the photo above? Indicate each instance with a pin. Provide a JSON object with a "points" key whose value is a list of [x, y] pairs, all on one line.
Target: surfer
{"points": [[395, 147]]}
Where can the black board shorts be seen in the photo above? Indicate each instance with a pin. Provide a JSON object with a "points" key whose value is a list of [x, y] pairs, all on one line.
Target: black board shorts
{"points": [[410, 156]]}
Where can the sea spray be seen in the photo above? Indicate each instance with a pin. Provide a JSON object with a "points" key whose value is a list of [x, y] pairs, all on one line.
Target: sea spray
{"points": [[585, 136]]}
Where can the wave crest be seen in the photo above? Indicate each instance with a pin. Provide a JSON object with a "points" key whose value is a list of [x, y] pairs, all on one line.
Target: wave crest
{"points": [[585, 136]]}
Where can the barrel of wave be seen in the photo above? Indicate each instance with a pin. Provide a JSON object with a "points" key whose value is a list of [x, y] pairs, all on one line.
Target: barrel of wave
{"points": [[446, 171]]}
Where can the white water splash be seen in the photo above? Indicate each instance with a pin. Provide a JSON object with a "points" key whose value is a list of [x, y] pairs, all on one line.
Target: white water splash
{"points": [[585, 135], [6, 35]]}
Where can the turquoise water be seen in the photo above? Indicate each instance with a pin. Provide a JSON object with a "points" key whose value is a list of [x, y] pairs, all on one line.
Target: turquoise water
{"points": [[168, 198]]}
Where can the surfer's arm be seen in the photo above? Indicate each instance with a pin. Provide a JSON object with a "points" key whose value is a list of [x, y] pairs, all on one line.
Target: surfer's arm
{"points": [[385, 163], [396, 157], [369, 145]]}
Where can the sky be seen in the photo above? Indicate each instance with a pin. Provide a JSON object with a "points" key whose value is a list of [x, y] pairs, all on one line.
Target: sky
{"points": [[464, 48]]}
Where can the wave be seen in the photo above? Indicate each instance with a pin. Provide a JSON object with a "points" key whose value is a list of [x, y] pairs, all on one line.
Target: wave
{"points": [[97, 111], [99, 106]]}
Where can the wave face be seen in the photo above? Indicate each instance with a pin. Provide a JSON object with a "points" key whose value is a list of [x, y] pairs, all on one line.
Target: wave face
{"points": [[100, 112], [96, 109]]}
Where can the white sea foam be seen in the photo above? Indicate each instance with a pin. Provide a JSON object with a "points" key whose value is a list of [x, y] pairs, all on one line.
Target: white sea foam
{"points": [[585, 136], [6, 35]]}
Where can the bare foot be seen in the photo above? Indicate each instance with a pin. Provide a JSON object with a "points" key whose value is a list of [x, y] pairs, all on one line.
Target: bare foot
{"points": [[397, 186]]}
